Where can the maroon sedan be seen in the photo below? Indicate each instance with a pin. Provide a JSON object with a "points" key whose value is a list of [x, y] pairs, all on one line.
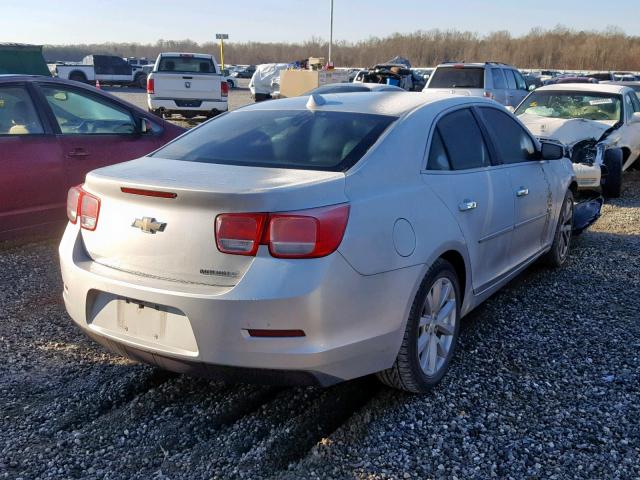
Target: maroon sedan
{"points": [[52, 132]]}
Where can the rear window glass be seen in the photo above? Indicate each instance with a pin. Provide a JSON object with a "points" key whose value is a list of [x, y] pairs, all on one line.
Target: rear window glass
{"points": [[455, 77], [306, 140], [186, 65]]}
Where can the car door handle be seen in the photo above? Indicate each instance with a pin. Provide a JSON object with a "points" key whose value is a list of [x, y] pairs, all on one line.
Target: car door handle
{"points": [[78, 152], [467, 205], [522, 192]]}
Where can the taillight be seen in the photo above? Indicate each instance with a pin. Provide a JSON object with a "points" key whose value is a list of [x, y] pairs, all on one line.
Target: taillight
{"points": [[72, 204], [150, 85], [239, 233], [488, 95], [224, 88], [84, 205], [305, 234]]}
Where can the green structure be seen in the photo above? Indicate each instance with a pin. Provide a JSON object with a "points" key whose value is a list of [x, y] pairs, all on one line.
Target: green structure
{"points": [[17, 58]]}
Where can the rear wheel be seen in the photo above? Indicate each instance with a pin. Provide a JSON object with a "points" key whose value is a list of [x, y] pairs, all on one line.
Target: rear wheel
{"points": [[431, 333], [557, 256], [78, 77], [613, 161], [141, 81]]}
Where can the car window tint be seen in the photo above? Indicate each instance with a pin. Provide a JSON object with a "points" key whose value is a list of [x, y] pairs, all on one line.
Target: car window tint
{"points": [[511, 79], [83, 114], [628, 106], [513, 142], [17, 113], [498, 78], [457, 77], [520, 82], [463, 140], [185, 64], [301, 139], [438, 158], [636, 102]]}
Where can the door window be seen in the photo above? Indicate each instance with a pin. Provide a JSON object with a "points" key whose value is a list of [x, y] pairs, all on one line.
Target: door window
{"points": [[511, 79], [513, 142], [520, 82], [629, 106], [458, 143], [498, 78], [82, 114], [635, 102], [17, 114]]}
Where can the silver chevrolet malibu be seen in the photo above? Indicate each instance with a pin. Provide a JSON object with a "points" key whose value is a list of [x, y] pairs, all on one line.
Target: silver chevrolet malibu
{"points": [[315, 239]]}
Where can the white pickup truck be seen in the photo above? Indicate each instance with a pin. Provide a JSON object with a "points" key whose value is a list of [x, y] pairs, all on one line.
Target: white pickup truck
{"points": [[108, 69], [188, 84]]}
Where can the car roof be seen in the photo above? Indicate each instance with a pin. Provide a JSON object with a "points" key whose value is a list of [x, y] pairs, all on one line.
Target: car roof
{"points": [[394, 104], [195, 55], [586, 87], [475, 64]]}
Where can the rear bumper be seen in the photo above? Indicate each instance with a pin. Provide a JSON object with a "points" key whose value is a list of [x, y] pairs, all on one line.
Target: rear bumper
{"points": [[353, 323], [171, 105]]}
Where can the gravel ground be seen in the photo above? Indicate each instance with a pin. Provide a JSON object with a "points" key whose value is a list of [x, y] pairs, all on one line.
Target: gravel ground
{"points": [[544, 385]]}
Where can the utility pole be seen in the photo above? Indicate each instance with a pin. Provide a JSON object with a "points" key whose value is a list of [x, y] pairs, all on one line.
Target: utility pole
{"points": [[331, 32], [222, 37]]}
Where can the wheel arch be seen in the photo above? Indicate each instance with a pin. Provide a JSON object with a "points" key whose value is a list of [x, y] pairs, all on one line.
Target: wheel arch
{"points": [[455, 258]]}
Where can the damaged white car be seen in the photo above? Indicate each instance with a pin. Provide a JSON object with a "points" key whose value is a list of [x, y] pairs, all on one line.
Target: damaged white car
{"points": [[599, 124]]}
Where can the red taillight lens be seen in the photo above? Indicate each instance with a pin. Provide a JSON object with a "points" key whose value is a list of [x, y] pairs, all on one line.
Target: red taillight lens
{"points": [[150, 85], [89, 211], [224, 88], [239, 233], [305, 234], [84, 205], [72, 203]]}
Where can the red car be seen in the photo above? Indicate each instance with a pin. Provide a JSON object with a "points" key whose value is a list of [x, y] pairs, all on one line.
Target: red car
{"points": [[52, 132]]}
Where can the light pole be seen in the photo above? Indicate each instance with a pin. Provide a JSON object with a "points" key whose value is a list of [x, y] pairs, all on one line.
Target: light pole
{"points": [[331, 32], [222, 37]]}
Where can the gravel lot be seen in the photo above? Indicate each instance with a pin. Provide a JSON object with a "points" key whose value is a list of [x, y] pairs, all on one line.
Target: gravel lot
{"points": [[544, 385]]}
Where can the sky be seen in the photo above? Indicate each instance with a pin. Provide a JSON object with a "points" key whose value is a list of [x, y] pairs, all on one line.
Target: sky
{"points": [[145, 21]]}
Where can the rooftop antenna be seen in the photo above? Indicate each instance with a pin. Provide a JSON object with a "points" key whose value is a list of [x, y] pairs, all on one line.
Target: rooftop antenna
{"points": [[315, 101]]}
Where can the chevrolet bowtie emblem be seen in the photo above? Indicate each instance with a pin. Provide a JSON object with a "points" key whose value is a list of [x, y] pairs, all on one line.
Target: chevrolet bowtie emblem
{"points": [[149, 225], [187, 84]]}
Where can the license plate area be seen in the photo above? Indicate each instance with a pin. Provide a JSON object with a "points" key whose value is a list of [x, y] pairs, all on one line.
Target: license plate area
{"points": [[142, 319], [188, 103], [160, 327]]}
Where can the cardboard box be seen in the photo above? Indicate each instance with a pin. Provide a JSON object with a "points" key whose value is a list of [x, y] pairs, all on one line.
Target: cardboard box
{"points": [[294, 83]]}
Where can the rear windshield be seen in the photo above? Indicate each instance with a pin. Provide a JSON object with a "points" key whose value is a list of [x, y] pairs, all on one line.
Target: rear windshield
{"points": [[456, 77], [306, 140], [186, 65]]}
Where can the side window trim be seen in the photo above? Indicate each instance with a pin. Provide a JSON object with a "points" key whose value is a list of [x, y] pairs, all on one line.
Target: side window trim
{"points": [[80, 91], [434, 125]]}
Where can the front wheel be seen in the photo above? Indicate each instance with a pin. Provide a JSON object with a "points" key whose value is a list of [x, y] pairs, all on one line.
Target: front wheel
{"points": [[557, 256], [431, 333], [613, 161]]}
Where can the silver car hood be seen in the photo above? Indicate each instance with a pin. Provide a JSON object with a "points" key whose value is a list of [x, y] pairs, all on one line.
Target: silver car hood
{"points": [[566, 131]]}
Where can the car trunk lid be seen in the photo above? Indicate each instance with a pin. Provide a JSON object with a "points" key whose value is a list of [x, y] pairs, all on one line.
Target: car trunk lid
{"points": [[171, 237]]}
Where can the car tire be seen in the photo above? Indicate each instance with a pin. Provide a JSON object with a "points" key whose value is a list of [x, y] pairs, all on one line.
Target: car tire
{"points": [[557, 256], [231, 84], [78, 77], [428, 343], [141, 81], [613, 161]]}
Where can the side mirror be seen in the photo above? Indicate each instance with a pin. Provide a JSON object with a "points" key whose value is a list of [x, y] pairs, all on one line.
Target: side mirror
{"points": [[145, 126], [635, 118], [551, 151]]}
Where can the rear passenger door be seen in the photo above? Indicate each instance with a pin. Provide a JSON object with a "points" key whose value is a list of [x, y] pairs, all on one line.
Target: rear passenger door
{"points": [[499, 86], [514, 93], [530, 188], [460, 172]]}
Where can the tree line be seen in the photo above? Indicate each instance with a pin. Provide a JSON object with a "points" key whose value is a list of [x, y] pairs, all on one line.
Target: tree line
{"points": [[559, 48]]}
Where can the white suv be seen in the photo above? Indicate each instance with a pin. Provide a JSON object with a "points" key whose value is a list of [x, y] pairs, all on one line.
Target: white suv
{"points": [[498, 81]]}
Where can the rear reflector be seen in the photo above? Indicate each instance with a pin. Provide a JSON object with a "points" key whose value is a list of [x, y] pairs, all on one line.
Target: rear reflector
{"points": [[148, 193], [303, 234], [275, 333], [224, 88]]}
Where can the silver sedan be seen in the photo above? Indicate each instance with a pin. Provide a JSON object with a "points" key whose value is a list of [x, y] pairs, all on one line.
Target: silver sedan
{"points": [[315, 239]]}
